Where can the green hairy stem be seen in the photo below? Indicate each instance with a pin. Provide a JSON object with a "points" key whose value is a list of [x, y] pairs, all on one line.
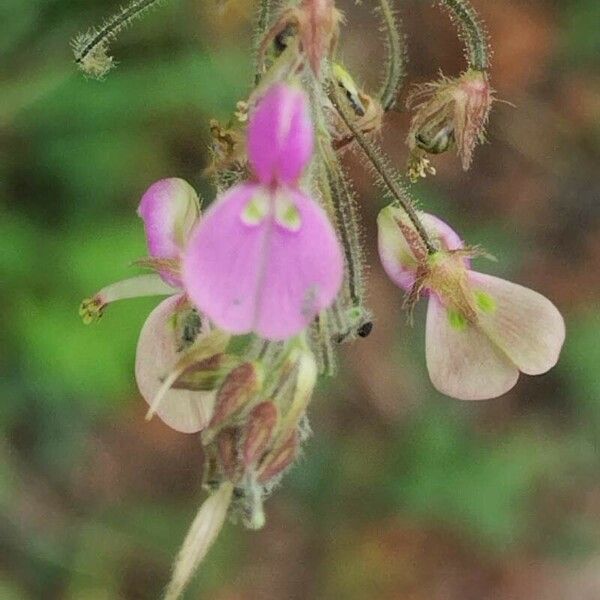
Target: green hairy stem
{"points": [[395, 64], [471, 31], [96, 40]]}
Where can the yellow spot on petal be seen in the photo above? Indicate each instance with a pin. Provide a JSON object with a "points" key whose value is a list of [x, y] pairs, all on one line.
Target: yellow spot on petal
{"points": [[287, 214], [255, 210], [457, 320], [485, 302]]}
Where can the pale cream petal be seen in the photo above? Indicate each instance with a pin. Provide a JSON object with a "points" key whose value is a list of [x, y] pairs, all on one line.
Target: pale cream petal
{"points": [[182, 410], [461, 360], [200, 537], [523, 323]]}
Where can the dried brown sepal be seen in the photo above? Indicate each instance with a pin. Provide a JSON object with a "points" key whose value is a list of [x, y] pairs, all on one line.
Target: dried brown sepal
{"points": [[240, 385], [259, 431], [279, 459], [227, 453], [207, 374]]}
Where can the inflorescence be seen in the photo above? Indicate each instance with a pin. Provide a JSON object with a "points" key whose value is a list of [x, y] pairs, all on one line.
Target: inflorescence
{"points": [[263, 284]]}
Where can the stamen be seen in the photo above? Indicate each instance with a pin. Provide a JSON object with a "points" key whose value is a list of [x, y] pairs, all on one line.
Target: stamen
{"points": [[91, 309]]}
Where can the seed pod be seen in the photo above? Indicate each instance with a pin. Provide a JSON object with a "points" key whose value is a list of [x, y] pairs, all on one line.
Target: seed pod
{"points": [[279, 459], [259, 432], [236, 390]]}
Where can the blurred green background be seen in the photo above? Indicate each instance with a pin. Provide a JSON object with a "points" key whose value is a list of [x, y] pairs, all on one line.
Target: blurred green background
{"points": [[401, 493]]}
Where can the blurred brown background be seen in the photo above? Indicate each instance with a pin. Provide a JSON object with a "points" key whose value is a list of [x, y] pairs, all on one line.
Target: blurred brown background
{"points": [[402, 494]]}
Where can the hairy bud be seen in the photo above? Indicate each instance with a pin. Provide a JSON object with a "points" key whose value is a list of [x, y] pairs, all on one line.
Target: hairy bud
{"points": [[448, 112]]}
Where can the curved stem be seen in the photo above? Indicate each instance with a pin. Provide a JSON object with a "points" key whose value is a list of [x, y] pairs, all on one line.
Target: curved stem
{"points": [[113, 26], [389, 180], [396, 55], [471, 31]]}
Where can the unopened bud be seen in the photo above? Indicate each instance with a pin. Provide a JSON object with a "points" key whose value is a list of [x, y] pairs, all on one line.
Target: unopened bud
{"points": [[279, 459], [236, 390], [259, 432], [448, 112]]}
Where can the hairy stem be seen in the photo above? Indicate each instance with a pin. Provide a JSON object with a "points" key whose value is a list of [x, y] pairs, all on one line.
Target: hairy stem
{"points": [[395, 63], [471, 31], [114, 25], [383, 170], [348, 225], [263, 16]]}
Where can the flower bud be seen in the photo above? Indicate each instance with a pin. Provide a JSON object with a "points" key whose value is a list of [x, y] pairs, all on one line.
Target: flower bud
{"points": [[259, 432], [236, 390], [448, 112]]}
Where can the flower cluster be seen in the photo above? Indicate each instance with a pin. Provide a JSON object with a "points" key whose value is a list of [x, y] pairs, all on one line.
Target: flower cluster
{"points": [[263, 284]]}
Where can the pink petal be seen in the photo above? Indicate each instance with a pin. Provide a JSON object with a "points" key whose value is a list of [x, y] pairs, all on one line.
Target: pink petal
{"points": [[523, 323], [396, 256], [156, 356], [462, 362], [257, 273], [280, 135], [169, 208]]}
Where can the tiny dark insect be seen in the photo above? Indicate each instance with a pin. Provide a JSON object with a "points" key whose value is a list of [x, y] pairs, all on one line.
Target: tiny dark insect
{"points": [[365, 329]]}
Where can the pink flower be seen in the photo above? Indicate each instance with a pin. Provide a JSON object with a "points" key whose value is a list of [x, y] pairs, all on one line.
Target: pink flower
{"points": [[169, 209], [481, 330], [265, 257]]}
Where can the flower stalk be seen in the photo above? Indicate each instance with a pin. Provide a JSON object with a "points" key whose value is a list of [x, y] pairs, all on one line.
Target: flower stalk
{"points": [[471, 31], [395, 61], [395, 189]]}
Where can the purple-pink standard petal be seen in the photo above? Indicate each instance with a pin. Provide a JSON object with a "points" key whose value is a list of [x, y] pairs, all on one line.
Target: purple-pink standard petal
{"points": [[169, 209], [157, 354], [263, 276], [280, 135]]}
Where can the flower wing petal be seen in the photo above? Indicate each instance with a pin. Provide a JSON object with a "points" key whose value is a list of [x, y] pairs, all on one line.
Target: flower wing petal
{"points": [[221, 264], [461, 360], [303, 271], [169, 209], [156, 356], [522, 322]]}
